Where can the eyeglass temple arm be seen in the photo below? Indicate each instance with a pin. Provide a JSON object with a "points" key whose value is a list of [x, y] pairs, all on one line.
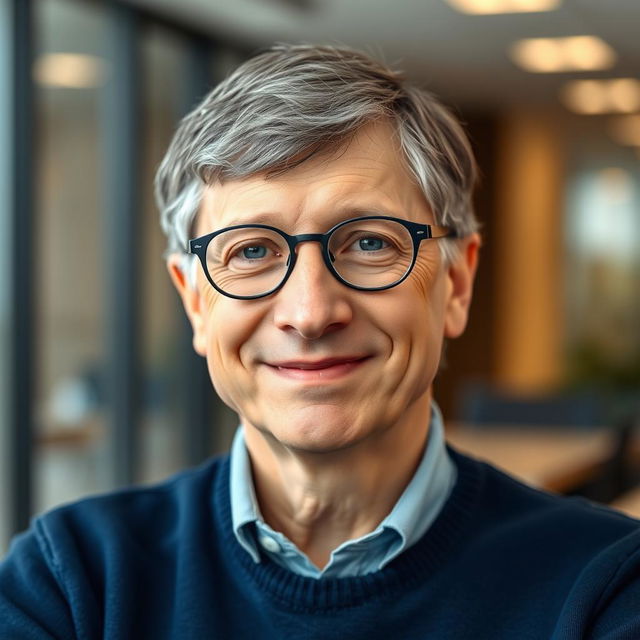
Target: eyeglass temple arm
{"points": [[434, 231]]}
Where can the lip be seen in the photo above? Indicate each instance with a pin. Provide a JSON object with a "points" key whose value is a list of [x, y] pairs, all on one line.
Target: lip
{"points": [[318, 370], [312, 365]]}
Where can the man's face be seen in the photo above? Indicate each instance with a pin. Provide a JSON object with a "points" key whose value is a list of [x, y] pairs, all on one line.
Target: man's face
{"points": [[318, 366]]}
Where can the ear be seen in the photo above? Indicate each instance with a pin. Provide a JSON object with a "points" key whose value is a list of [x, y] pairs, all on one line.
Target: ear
{"points": [[191, 300], [460, 276]]}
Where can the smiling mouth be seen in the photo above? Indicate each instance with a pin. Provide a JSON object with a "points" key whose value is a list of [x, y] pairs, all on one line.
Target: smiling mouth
{"points": [[326, 369]]}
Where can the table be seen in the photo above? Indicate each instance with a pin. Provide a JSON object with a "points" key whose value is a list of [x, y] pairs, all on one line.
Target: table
{"points": [[629, 503], [555, 459]]}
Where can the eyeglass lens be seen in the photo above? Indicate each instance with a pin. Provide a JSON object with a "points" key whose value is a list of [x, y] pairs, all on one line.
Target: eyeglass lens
{"points": [[365, 253]]}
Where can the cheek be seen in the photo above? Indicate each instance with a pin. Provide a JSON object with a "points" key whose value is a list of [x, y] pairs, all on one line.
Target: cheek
{"points": [[424, 278], [413, 312], [214, 313], [423, 326], [428, 285], [228, 327], [210, 298]]}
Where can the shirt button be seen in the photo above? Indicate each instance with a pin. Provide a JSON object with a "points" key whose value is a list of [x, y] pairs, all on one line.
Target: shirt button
{"points": [[269, 544]]}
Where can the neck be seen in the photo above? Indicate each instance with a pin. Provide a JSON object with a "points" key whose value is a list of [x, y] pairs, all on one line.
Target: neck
{"points": [[320, 500]]}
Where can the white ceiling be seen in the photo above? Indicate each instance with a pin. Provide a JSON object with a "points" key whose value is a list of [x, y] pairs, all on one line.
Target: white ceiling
{"points": [[460, 56]]}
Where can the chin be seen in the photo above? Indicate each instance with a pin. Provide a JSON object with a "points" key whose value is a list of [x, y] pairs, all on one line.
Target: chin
{"points": [[319, 429]]}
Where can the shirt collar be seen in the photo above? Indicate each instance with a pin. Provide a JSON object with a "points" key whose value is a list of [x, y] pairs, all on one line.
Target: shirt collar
{"points": [[426, 493], [244, 504], [413, 513]]}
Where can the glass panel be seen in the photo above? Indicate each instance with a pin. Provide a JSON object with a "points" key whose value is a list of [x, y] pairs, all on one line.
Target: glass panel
{"points": [[169, 69], [70, 450], [5, 214], [161, 446], [603, 272]]}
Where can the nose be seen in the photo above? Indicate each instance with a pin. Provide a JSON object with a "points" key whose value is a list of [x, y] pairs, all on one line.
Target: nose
{"points": [[312, 302]]}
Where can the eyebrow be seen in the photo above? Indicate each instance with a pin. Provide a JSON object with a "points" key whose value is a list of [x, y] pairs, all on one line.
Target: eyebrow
{"points": [[275, 218]]}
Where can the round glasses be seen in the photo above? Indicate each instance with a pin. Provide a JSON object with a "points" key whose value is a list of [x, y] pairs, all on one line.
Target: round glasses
{"points": [[371, 253]]}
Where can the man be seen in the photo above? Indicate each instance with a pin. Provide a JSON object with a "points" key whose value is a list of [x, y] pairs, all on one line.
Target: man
{"points": [[322, 240]]}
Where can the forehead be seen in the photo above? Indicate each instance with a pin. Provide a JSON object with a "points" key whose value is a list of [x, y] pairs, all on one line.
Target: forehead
{"points": [[366, 175]]}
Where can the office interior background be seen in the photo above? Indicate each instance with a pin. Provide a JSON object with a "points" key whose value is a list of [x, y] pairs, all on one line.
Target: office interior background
{"points": [[99, 387]]}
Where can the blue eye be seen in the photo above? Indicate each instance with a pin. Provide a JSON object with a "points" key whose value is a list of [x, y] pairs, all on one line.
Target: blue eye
{"points": [[254, 253], [371, 244]]}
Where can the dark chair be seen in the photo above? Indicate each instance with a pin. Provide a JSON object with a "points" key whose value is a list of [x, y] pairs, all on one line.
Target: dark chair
{"points": [[482, 404]]}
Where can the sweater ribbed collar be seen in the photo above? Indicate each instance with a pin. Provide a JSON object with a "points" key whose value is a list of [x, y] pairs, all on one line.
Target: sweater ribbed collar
{"points": [[295, 592]]}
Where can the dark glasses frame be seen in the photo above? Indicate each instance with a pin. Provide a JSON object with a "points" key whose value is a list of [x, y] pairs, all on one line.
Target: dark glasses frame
{"points": [[418, 232]]}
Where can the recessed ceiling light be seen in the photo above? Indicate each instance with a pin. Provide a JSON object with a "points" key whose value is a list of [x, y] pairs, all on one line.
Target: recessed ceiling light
{"points": [[551, 55], [624, 94], [585, 96], [69, 70], [618, 95], [626, 130], [617, 183], [485, 7]]}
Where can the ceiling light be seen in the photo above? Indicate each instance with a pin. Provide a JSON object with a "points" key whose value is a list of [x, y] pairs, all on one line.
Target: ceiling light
{"points": [[550, 55], [617, 184], [626, 130], [624, 94], [619, 95], [585, 96], [69, 70], [485, 7]]}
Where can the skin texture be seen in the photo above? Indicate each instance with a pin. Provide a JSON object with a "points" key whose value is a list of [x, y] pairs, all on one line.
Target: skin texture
{"points": [[331, 449]]}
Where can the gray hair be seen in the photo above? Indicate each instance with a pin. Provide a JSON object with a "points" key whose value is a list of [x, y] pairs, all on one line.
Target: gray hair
{"points": [[293, 101]]}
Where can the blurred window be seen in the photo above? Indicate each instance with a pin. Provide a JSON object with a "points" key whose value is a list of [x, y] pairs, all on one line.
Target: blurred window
{"points": [[70, 71], [603, 276], [161, 450]]}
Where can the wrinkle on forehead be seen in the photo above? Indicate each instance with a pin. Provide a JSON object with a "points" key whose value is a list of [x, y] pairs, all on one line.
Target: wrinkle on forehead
{"points": [[367, 175]]}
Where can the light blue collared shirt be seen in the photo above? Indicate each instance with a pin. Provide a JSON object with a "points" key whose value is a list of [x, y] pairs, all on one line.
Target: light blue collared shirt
{"points": [[415, 511]]}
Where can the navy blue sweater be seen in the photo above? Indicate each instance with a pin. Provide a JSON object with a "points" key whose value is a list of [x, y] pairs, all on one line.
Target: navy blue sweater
{"points": [[501, 561]]}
